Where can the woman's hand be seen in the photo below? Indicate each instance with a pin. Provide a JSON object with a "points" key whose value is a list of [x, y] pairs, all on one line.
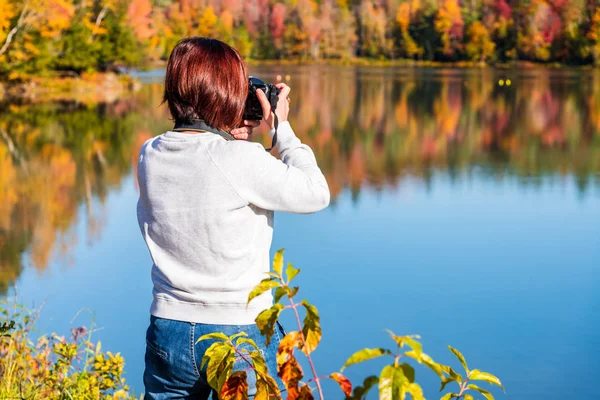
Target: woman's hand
{"points": [[283, 105], [245, 132]]}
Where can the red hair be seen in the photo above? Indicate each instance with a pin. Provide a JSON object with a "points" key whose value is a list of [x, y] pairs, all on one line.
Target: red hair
{"points": [[206, 79]]}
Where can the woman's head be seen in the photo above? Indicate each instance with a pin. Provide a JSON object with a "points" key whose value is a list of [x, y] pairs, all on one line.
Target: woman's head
{"points": [[206, 79]]}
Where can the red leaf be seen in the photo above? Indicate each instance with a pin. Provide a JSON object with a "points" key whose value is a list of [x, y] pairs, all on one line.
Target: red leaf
{"points": [[345, 384], [236, 387]]}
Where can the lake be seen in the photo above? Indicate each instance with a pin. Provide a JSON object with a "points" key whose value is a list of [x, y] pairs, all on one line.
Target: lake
{"points": [[465, 208]]}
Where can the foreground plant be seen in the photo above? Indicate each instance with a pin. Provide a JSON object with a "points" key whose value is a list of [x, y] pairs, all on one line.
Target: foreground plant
{"points": [[471, 375], [221, 356], [396, 381], [53, 367]]}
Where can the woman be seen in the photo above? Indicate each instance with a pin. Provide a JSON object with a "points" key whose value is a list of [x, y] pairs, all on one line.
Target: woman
{"points": [[206, 213]]}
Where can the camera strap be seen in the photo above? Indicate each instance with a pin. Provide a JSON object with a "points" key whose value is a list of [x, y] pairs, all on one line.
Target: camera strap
{"points": [[274, 140], [198, 125]]}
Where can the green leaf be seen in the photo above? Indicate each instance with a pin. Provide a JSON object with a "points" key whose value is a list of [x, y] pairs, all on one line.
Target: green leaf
{"points": [[386, 382], [217, 364], [265, 321], [237, 335], [259, 362], [215, 335], [266, 388], [414, 345], [283, 291], [415, 391], [457, 377], [460, 357], [293, 291], [278, 262], [279, 293], [449, 396], [477, 375], [225, 370], [361, 391], [391, 382], [210, 352], [408, 340], [263, 286], [484, 392], [402, 340], [291, 272], [427, 361], [364, 355], [247, 341], [468, 397], [446, 381], [311, 329], [408, 371]]}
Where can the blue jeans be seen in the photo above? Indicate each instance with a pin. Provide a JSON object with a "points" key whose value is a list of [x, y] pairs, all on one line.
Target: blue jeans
{"points": [[173, 358]]}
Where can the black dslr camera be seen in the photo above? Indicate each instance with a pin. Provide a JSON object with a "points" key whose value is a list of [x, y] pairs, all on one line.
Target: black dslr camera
{"points": [[253, 109]]}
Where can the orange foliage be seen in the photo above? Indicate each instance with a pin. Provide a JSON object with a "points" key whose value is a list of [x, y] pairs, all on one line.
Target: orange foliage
{"points": [[139, 15]]}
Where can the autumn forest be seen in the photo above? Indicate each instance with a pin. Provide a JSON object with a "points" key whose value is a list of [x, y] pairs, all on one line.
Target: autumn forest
{"points": [[74, 36]]}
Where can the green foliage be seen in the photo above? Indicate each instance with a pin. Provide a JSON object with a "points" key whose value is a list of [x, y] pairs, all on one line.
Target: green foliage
{"points": [[219, 360], [449, 376], [58, 373], [396, 380], [52, 367]]}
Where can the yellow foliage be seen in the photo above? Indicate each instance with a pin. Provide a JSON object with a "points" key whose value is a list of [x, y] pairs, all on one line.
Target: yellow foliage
{"points": [[480, 46], [51, 366], [7, 12], [404, 15], [343, 4], [31, 48], [594, 35], [90, 23], [447, 17], [55, 16], [208, 22], [8, 174]]}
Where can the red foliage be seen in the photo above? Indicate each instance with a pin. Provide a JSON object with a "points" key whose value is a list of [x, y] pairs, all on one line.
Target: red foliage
{"points": [[503, 9], [277, 23]]}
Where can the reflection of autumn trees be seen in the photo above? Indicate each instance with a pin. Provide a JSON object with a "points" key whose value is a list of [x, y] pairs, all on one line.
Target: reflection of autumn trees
{"points": [[368, 128], [54, 158]]}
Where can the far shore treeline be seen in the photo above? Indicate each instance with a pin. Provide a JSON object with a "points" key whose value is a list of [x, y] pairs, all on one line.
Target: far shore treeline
{"points": [[42, 37]]}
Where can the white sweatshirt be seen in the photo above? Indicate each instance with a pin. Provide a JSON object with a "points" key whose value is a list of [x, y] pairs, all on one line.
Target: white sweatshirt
{"points": [[206, 213]]}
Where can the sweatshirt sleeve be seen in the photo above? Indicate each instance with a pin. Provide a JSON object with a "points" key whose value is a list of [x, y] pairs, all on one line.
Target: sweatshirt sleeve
{"points": [[293, 184]]}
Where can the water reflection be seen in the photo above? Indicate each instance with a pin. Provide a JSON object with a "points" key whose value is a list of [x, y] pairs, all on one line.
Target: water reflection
{"points": [[371, 128], [368, 127]]}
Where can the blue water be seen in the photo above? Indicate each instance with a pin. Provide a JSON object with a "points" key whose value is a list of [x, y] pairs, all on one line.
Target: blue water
{"points": [[504, 271]]}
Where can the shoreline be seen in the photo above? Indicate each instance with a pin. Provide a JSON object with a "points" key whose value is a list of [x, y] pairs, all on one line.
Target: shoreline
{"points": [[108, 87], [368, 62], [85, 88]]}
